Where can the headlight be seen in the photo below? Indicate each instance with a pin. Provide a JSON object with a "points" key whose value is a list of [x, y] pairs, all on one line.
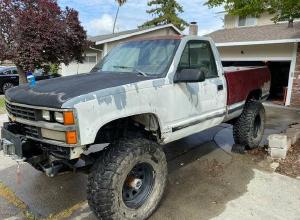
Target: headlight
{"points": [[59, 117], [66, 118], [46, 115]]}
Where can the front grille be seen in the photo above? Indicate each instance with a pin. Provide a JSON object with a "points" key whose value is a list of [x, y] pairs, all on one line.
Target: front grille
{"points": [[31, 131], [21, 112]]}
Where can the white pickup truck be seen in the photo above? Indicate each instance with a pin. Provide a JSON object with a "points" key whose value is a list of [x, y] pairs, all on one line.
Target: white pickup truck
{"points": [[112, 122]]}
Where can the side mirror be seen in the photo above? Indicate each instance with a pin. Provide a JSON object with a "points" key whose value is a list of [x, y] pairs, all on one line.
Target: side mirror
{"points": [[189, 75]]}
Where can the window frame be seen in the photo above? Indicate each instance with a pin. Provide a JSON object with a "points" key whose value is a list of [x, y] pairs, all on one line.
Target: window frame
{"points": [[246, 25], [88, 57], [212, 53]]}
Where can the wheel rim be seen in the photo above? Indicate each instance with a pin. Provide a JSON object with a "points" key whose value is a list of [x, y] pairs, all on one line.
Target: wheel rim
{"points": [[138, 185], [7, 86], [257, 126]]}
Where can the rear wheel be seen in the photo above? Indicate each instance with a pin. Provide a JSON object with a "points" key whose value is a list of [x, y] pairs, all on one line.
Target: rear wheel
{"points": [[128, 180], [249, 128]]}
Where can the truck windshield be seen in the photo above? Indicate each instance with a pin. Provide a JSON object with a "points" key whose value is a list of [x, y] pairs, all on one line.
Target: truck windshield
{"points": [[146, 57]]}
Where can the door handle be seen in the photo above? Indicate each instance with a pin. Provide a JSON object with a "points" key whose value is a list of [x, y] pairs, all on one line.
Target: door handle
{"points": [[220, 87]]}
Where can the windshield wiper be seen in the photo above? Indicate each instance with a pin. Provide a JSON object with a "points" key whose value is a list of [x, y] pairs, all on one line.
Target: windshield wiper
{"points": [[133, 70], [123, 67]]}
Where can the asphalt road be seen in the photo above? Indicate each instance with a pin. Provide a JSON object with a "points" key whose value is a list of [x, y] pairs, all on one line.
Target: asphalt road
{"points": [[206, 181]]}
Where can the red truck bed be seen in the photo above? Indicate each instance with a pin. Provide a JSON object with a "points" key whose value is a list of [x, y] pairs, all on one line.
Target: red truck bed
{"points": [[242, 80]]}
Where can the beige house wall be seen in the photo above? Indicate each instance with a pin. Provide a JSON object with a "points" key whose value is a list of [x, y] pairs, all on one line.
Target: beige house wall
{"points": [[232, 21], [265, 52], [78, 68]]}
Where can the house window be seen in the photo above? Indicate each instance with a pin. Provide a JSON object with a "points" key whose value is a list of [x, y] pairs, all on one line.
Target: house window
{"points": [[247, 21], [90, 59]]}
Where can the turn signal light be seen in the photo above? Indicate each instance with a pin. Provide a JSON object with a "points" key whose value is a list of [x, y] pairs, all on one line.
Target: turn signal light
{"points": [[71, 137], [69, 118]]}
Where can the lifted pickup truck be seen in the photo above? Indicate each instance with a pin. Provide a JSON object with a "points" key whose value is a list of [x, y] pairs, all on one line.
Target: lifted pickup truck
{"points": [[113, 121]]}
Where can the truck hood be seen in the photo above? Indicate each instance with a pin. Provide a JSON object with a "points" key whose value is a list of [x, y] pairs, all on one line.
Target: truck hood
{"points": [[53, 93]]}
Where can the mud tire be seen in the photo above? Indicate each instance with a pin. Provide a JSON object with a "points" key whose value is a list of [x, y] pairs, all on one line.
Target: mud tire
{"points": [[105, 190], [249, 128]]}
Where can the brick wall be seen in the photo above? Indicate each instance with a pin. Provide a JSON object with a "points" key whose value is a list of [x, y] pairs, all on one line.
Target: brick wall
{"points": [[295, 99]]}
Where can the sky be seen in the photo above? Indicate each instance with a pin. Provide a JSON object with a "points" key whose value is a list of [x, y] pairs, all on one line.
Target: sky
{"points": [[97, 16]]}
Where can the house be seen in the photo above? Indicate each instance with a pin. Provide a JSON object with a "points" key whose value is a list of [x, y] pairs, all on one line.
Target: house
{"points": [[258, 41], [104, 43]]}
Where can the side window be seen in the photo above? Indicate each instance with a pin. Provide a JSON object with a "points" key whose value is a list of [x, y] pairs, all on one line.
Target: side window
{"points": [[185, 61], [199, 55], [7, 72], [14, 72]]}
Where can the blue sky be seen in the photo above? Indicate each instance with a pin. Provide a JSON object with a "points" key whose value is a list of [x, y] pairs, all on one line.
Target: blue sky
{"points": [[97, 16]]}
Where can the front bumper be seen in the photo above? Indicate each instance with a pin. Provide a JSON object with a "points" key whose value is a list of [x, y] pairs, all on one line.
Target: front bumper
{"points": [[15, 144], [12, 144], [51, 159]]}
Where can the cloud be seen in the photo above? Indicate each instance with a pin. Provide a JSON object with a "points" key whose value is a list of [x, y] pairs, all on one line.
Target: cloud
{"points": [[97, 15], [102, 25]]}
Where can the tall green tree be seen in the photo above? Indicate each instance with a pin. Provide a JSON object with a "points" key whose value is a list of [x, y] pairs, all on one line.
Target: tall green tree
{"points": [[121, 2], [165, 12], [281, 9]]}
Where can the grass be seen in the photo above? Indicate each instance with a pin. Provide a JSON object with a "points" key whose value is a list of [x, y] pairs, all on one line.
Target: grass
{"points": [[2, 105]]}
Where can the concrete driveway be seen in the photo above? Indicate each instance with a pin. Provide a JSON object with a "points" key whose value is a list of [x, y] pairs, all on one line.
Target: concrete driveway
{"points": [[206, 181]]}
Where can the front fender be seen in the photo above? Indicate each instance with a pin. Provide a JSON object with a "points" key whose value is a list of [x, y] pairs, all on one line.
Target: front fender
{"points": [[94, 114]]}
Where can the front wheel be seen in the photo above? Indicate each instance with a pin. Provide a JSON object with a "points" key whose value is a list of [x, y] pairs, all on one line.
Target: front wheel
{"points": [[249, 128], [128, 180], [6, 86]]}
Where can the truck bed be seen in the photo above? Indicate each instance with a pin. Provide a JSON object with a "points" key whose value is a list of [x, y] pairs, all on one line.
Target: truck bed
{"points": [[243, 80]]}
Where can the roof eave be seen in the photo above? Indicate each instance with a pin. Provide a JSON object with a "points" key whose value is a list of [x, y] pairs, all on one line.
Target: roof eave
{"points": [[244, 43], [138, 33]]}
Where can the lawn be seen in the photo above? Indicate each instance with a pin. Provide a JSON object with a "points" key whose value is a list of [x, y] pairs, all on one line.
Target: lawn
{"points": [[2, 105]]}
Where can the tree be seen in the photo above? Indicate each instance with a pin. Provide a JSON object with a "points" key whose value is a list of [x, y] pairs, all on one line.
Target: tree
{"points": [[165, 12], [37, 32], [121, 2], [281, 9]]}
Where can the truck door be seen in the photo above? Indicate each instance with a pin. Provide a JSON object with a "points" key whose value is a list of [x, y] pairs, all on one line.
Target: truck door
{"points": [[203, 103]]}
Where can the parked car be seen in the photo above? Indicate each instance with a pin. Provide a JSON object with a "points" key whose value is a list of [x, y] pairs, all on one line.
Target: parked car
{"points": [[142, 95], [9, 77]]}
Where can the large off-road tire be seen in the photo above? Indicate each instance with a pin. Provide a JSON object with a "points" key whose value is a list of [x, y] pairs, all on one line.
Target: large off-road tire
{"points": [[249, 128], [128, 180]]}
